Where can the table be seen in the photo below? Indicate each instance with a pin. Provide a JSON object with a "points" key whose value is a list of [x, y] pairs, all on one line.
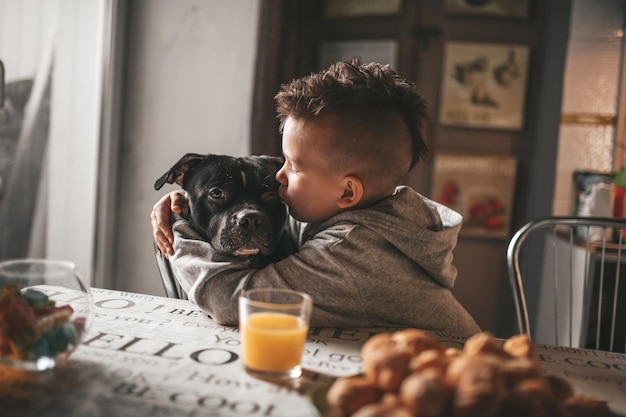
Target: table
{"points": [[159, 357]]}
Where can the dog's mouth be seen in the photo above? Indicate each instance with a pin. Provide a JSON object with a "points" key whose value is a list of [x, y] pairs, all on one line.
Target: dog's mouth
{"points": [[246, 250], [242, 246]]}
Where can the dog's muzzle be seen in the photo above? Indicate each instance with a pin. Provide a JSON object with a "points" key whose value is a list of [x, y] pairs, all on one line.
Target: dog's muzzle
{"points": [[249, 233]]}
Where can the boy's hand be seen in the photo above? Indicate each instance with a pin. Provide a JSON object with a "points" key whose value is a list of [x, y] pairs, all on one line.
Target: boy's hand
{"points": [[160, 218]]}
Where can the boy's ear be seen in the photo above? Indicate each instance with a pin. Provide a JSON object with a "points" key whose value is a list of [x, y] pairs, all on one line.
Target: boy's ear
{"points": [[352, 192]]}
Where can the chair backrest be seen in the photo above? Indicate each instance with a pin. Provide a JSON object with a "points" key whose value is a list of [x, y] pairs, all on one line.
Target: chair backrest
{"points": [[565, 277], [170, 285]]}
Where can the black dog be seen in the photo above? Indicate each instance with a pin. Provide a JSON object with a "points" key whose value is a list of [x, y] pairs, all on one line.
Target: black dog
{"points": [[233, 202]]}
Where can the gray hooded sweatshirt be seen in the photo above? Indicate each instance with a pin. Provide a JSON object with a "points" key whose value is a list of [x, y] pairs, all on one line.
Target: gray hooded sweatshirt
{"points": [[385, 265]]}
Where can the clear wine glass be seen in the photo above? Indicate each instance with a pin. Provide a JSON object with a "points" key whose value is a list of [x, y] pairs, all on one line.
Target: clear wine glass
{"points": [[45, 310]]}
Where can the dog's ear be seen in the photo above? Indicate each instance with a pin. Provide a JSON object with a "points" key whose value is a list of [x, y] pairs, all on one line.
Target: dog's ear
{"points": [[176, 174]]}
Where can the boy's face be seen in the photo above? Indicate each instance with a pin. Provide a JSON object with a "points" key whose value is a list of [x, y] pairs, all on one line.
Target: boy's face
{"points": [[307, 184]]}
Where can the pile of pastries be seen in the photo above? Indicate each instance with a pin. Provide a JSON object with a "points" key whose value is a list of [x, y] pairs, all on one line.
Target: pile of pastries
{"points": [[408, 373]]}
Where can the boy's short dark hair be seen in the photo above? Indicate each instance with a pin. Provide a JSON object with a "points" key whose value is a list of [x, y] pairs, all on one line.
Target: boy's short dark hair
{"points": [[377, 110]]}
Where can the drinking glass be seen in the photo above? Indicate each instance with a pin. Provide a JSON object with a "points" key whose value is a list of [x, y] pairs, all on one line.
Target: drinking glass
{"points": [[274, 324], [45, 310]]}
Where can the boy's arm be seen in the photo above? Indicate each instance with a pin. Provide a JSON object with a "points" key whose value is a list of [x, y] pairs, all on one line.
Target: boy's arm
{"points": [[214, 281], [170, 204], [195, 264]]}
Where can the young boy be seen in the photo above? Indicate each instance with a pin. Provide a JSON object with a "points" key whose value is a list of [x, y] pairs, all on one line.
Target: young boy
{"points": [[370, 253]]}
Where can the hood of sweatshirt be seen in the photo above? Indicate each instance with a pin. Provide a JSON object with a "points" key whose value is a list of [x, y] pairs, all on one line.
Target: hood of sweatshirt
{"points": [[422, 229]]}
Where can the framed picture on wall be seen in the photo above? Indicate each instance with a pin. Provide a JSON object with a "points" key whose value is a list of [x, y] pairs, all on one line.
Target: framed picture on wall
{"points": [[384, 51], [480, 188], [484, 85], [502, 8]]}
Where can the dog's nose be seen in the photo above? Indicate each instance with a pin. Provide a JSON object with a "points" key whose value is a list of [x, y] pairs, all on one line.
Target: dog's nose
{"points": [[249, 219]]}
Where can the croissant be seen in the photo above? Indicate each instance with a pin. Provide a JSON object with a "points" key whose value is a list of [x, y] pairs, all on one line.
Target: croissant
{"points": [[410, 374]]}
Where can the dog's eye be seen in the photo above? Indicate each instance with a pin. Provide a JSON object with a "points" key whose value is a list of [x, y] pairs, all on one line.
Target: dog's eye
{"points": [[216, 193]]}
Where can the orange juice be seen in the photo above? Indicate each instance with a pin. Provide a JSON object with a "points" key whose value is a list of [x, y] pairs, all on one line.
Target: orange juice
{"points": [[273, 342]]}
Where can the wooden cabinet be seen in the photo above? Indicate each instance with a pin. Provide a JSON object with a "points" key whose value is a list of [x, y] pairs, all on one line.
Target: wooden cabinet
{"points": [[298, 37], [291, 33]]}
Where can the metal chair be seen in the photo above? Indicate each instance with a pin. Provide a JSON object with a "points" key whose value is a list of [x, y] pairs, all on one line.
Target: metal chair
{"points": [[565, 277], [170, 285]]}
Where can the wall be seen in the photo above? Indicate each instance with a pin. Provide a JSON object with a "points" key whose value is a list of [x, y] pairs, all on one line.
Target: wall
{"points": [[188, 88], [591, 96]]}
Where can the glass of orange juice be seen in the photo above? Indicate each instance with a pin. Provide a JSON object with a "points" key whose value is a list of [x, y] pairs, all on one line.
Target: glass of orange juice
{"points": [[273, 324]]}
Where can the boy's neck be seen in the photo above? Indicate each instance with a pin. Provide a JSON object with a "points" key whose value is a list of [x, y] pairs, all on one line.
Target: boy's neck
{"points": [[375, 197]]}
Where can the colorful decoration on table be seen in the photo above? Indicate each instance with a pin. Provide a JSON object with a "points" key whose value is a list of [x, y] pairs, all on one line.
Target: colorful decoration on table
{"points": [[33, 326]]}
